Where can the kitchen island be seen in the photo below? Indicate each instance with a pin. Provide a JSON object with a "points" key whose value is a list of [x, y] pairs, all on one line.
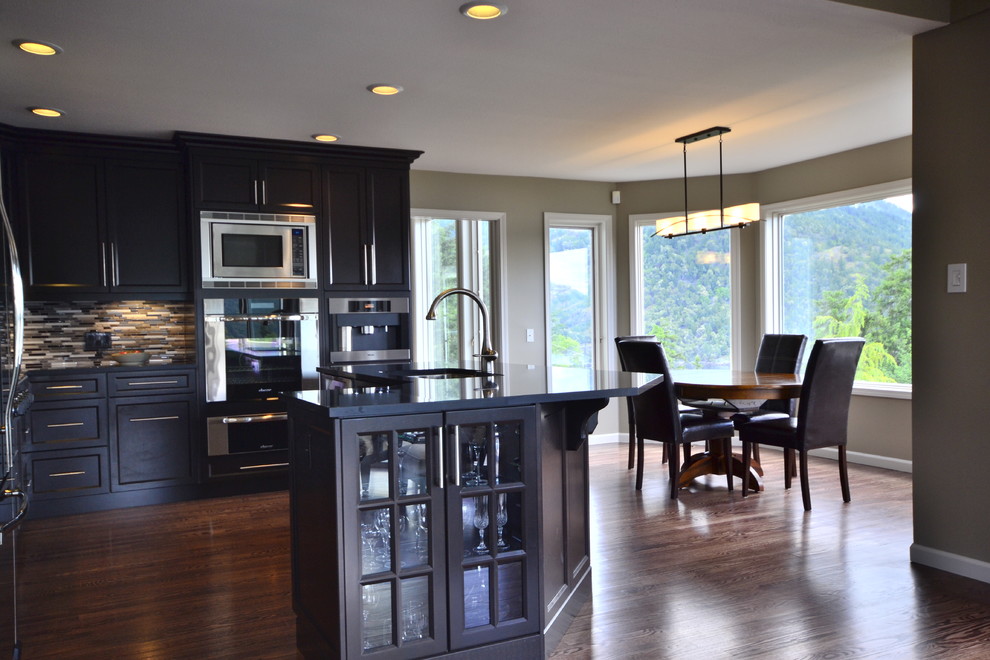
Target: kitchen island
{"points": [[442, 511]]}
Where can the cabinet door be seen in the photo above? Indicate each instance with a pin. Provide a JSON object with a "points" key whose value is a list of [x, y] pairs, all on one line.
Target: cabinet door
{"points": [[492, 518], [225, 184], [62, 207], [289, 187], [388, 228], [146, 227], [347, 254], [151, 442], [394, 532]]}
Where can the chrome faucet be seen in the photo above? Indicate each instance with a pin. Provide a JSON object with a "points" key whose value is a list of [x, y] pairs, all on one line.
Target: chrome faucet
{"points": [[487, 352]]}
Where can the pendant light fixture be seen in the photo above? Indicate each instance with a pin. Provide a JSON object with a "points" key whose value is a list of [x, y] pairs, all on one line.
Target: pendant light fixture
{"points": [[703, 222]]}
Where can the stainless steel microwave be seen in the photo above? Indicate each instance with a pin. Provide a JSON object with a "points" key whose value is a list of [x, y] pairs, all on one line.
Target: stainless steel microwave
{"points": [[258, 250]]}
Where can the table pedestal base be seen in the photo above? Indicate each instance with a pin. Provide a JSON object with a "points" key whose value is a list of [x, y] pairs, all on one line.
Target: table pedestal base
{"points": [[713, 462]]}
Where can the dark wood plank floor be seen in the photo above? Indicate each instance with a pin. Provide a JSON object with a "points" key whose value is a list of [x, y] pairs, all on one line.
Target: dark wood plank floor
{"points": [[710, 576]]}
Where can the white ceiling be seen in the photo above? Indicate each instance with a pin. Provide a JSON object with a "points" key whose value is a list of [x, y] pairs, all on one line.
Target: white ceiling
{"points": [[577, 89]]}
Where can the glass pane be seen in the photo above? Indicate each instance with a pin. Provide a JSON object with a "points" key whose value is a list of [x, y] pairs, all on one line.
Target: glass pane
{"points": [[508, 522], [414, 536], [373, 452], [510, 591], [473, 441], [477, 597], [443, 334], [508, 452], [415, 608], [846, 272], [376, 541], [376, 615], [413, 460], [476, 519], [686, 297], [572, 305]]}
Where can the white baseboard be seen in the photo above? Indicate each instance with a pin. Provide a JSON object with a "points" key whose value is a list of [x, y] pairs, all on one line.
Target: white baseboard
{"points": [[952, 563], [859, 458]]}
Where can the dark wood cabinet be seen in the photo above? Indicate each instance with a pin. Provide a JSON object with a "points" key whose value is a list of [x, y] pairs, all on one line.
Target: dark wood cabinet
{"points": [[151, 445], [102, 224], [231, 183], [367, 233], [437, 524]]}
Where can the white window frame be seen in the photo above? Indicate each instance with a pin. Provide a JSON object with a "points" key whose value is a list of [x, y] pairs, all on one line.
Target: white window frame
{"points": [[639, 220], [603, 265], [772, 271], [468, 272]]}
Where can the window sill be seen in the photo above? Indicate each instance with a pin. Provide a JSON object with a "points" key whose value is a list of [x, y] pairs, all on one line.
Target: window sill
{"points": [[882, 390]]}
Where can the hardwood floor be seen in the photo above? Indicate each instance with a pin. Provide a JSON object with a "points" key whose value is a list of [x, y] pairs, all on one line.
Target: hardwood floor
{"points": [[709, 576]]}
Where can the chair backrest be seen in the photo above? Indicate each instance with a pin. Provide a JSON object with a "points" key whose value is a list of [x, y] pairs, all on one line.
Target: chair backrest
{"points": [[622, 363], [656, 410], [823, 416], [780, 354]]}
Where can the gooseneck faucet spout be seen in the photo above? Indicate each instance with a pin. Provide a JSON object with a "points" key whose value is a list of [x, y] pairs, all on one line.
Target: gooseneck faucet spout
{"points": [[487, 352]]}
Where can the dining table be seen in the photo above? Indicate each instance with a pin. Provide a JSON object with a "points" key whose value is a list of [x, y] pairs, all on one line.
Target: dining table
{"points": [[733, 391]]}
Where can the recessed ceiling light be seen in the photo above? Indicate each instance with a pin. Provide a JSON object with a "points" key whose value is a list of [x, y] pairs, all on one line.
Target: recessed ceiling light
{"points": [[326, 137], [38, 47], [47, 112], [384, 90], [483, 11]]}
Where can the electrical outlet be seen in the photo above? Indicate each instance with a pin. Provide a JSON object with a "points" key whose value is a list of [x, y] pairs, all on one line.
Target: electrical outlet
{"points": [[530, 335]]}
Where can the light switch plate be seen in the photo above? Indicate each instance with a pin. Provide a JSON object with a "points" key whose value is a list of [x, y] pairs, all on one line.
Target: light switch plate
{"points": [[957, 278]]}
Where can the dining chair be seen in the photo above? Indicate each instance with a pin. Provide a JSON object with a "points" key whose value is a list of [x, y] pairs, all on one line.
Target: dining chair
{"points": [[823, 413], [658, 417], [629, 404]]}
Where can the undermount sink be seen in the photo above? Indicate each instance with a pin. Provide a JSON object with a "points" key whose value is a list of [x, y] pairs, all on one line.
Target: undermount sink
{"points": [[448, 372]]}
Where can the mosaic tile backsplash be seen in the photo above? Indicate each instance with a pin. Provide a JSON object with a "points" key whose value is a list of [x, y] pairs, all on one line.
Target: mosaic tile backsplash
{"points": [[54, 331]]}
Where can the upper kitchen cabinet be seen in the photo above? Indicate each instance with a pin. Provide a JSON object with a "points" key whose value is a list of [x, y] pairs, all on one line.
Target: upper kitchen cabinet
{"points": [[367, 228], [226, 183], [102, 223]]}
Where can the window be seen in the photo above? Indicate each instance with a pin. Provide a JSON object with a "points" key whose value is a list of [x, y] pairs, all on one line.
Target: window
{"points": [[455, 249], [682, 293], [577, 309], [840, 266]]}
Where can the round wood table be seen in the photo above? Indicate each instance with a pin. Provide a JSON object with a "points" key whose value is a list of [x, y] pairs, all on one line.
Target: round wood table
{"points": [[749, 389]]}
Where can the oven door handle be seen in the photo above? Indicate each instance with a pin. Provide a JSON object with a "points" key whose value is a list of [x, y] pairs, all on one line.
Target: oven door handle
{"points": [[248, 419], [248, 317]]}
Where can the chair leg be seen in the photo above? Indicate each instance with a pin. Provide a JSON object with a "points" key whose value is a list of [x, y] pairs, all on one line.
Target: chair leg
{"points": [[844, 474], [756, 453], [727, 450], [746, 449], [687, 452], [674, 471], [805, 490], [639, 462], [788, 467]]}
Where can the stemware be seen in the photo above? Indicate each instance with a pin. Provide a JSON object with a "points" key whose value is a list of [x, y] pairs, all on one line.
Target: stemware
{"points": [[481, 524], [501, 518]]}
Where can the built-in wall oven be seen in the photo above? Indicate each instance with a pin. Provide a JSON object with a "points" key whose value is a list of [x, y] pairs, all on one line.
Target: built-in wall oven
{"points": [[255, 348]]}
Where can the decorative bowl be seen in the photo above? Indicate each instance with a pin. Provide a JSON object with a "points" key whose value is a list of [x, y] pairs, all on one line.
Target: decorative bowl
{"points": [[130, 357]]}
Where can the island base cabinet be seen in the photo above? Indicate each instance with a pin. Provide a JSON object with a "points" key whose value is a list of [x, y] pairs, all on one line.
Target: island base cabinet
{"points": [[416, 536]]}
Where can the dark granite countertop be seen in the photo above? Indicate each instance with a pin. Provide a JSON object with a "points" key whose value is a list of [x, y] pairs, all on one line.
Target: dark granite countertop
{"points": [[386, 389]]}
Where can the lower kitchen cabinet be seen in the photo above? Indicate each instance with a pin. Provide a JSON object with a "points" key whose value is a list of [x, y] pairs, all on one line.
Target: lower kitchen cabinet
{"points": [[436, 524], [150, 441]]}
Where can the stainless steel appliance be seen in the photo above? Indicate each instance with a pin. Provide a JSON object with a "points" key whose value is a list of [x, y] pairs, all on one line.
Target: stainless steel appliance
{"points": [[255, 348], [258, 251], [369, 330], [13, 401], [241, 434]]}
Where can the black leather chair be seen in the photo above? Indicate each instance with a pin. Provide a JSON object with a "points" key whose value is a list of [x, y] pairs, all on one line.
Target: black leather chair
{"points": [[658, 417], [823, 413], [629, 404]]}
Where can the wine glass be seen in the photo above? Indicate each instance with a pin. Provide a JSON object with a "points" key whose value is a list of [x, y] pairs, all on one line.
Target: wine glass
{"points": [[481, 524], [501, 518], [369, 602]]}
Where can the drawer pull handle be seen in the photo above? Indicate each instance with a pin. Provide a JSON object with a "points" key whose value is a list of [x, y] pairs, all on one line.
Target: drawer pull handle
{"points": [[67, 474], [265, 465], [63, 425], [153, 419], [133, 383], [249, 419], [63, 387]]}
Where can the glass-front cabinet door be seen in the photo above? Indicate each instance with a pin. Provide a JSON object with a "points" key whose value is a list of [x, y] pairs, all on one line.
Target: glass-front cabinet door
{"points": [[492, 523], [395, 579]]}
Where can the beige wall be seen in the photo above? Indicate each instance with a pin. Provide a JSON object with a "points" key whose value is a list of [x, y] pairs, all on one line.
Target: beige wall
{"points": [[951, 352], [877, 426]]}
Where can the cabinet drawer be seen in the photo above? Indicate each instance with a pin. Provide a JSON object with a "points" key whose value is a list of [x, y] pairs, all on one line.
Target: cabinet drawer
{"points": [[80, 473], [55, 428], [91, 386], [151, 382]]}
